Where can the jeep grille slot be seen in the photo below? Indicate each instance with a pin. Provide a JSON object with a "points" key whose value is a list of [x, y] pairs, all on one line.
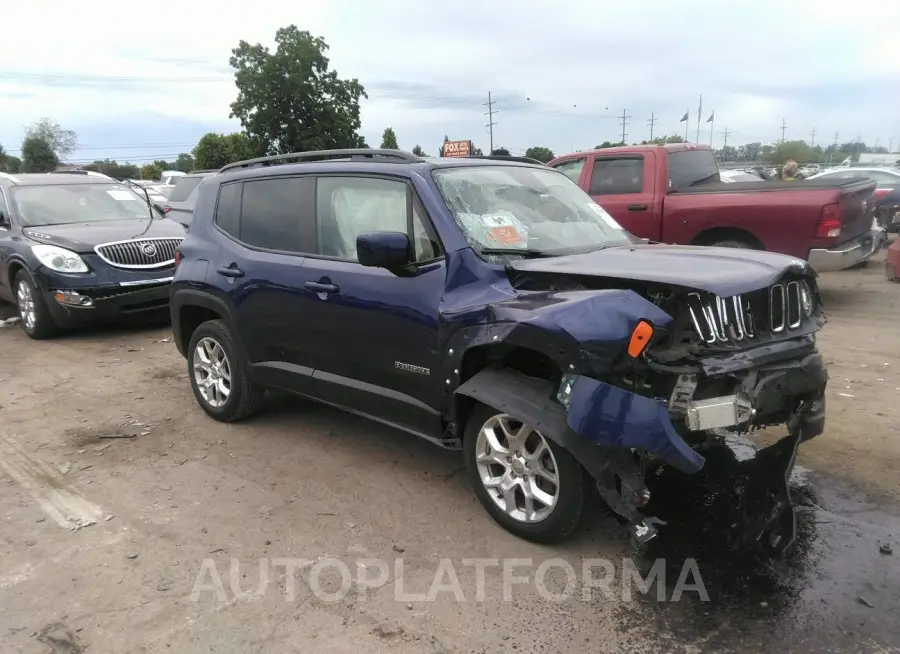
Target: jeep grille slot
{"points": [[140, 253], [739, 318]]}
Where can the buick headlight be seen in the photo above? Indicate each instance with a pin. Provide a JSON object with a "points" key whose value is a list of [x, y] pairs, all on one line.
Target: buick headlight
{"points": [[59, 259]]}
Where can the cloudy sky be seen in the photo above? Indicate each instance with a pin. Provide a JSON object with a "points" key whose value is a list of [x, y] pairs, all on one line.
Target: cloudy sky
{"points": [[142, 82]]}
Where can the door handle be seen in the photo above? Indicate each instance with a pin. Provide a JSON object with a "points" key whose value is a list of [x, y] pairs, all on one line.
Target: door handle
{"points": [[319, 287], [637, 207], [227, 271]]}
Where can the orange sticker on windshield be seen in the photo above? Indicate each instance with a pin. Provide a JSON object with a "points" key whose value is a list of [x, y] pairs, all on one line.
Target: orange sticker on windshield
{"points": [[506, 236]]}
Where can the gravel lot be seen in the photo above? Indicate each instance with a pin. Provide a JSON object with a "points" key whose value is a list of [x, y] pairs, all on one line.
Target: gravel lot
{"points": [[184, 495]]}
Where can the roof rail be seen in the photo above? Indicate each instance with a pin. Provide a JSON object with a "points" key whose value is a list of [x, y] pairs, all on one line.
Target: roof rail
{"points": [[503, 157], [204, 170], [325, 155]]}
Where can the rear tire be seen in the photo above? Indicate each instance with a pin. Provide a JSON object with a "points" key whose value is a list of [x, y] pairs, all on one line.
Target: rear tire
{"points": [[219, 376], [522, 473]]}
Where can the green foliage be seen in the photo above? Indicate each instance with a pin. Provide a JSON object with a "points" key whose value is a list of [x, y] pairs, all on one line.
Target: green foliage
{"points": [[152, 171], [9, 163], [114, 169], [540, 153], [663, 140], [609, 144], [289, 101], [389, 139], [216, 150], [418, 151], [441, 149], [502, 152], [61, 141], [184, 162], [38, 156]]}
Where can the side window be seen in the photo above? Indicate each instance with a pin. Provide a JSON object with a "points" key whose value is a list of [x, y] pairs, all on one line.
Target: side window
{"points": [[613, 176], [4, 210], [228, 209], [349, 206], [272, 212], [571, 169]]}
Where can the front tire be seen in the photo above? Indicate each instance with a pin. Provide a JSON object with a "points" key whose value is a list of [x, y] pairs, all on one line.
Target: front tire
{"points": [[219, 376], [528, 484], [34, 315]]}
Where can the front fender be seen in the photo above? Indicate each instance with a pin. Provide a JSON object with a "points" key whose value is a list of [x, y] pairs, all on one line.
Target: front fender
{"points": [[601, 422]]}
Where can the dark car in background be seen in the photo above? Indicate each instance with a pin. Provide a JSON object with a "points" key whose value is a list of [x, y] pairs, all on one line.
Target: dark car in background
{"points": [[183, 197], [77, 249]]}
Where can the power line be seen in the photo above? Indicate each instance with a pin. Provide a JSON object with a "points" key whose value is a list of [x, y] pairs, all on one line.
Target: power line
{"points": [[783, 128], [490, 114], [624, 123], [652, 123]]}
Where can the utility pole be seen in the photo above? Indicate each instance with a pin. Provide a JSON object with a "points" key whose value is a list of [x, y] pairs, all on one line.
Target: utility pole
{"points": [[725, 134], [624, 122], [837, 136], [490, 114], [783, 128], [812, 138], [652, 123], [877, 141], [699, 114], [890, 145]]}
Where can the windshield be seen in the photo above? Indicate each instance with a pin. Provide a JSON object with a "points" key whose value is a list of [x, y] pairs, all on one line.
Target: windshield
{"points": [[76, 203], [533, 211]]}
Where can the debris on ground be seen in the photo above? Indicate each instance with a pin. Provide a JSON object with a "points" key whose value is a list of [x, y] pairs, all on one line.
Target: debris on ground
{"points": [[9, 321], [886, 549]]}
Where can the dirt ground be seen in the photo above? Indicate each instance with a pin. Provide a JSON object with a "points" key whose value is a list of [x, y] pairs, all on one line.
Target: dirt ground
{"points": [[103, 540]]}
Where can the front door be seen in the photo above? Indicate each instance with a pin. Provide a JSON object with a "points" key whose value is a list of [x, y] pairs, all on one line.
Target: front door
{"points": [[619, 184], [372, 335]]}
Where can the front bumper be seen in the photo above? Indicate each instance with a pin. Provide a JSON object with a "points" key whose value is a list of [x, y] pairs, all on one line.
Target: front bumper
{"points": [[847, 254], [72, 305]]}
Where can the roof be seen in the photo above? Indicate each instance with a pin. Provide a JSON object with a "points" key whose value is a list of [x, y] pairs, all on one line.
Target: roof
{"points": [[50, 179], [636, 149]]}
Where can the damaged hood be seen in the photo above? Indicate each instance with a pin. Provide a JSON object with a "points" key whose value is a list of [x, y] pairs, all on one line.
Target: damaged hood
{"points": [[723, 271]]}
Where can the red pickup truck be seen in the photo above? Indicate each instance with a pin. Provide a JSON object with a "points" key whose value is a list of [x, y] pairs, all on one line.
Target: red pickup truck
{"points": [[673, 194]]}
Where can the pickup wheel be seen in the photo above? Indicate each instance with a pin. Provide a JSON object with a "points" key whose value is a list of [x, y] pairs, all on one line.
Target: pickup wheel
{"points": [[528, 484], [732, 243], [219, 376]]}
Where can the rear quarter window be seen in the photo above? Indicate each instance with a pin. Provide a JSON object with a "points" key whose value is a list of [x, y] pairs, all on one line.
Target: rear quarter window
{"points": [[183, 188]]}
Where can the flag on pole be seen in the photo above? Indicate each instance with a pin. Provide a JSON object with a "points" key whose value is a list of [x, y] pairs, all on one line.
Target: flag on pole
{"points": [[684, 117], [711, 116]]}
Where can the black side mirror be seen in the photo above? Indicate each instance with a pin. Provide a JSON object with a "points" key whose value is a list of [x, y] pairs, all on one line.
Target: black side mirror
{"points": [[159, 208], [389, 250], [4, 221]]}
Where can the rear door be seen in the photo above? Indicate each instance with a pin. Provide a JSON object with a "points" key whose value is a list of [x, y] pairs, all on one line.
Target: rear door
{"points": [[623, 184]]}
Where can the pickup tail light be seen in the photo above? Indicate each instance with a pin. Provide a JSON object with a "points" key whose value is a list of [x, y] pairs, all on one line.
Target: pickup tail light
{"points": [[829, 221], [881, 192], [177, 257], [167, 209]]}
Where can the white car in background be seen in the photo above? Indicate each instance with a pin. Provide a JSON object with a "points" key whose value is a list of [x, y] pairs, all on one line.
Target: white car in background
{"points": [[735, 176]]}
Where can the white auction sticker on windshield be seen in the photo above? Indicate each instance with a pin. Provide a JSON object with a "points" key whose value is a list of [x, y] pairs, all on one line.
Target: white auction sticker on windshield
{"points": [[600, 211], [122, 196]]}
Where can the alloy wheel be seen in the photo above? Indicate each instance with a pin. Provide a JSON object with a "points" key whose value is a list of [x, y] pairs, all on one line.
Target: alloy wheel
{"points": [[517, 468], [212, 372], [25, 302]]}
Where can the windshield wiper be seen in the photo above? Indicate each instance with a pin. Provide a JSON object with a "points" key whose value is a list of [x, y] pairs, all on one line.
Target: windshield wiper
{"points": [[524, 252]]}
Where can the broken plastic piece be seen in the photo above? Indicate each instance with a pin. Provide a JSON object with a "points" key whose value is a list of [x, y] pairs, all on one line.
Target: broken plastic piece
{"points": [[640, 337]]}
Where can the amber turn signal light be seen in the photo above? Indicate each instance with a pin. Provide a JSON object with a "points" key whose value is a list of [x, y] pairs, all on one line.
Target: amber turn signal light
{"points": [[641, 335]]}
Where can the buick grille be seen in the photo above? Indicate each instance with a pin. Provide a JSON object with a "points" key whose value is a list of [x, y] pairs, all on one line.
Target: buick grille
{"points": [[140, 253], [731, 320]]}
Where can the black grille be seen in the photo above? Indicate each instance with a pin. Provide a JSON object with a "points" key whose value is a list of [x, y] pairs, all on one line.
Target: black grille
{"points": [[140, 253], [731, 320]]}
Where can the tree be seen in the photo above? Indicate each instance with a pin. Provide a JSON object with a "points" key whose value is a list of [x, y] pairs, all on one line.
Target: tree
{"points": [[184, 162], [540, 153], [38, 156], [441, 149], [501, 152], [216, 150], [289, 101], [608, 144], [61, 141], [389, 139], [114, 169], [418, 151], [152, 171]]}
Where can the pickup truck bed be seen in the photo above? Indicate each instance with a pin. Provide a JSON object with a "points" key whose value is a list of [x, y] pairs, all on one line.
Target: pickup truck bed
{"points": [[672, 194]]}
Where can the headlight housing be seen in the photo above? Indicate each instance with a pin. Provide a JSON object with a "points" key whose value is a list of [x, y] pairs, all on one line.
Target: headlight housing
{"points": [[807, 302], [59, 259]]}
